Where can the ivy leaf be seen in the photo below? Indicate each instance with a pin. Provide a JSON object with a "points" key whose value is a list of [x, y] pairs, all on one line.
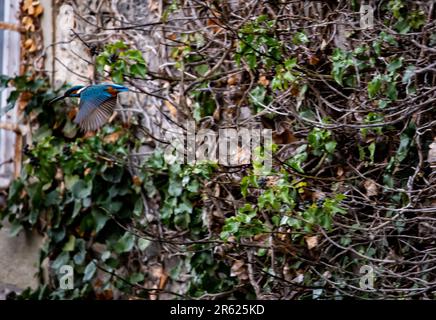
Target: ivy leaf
{"points": [[175, 188], [202, 69], [79, 257], [138, 69], [117, 76], [100, 220], [70, 181], [113, 174], [89, 272], [82, 189], [290, 63], [392, 91], [374, 86], [61, 260], [371, 149], [257, 97], [139, 207], [300, 38], [408, 74], [394, 65], [69, 246], [143, 244], [403, 148], [136, 277], [251, 61], [135, 55], [330, 146], [125, 243]]}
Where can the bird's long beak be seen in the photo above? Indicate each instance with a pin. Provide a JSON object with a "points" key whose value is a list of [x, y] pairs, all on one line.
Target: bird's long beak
{"points": [[56, 99]]}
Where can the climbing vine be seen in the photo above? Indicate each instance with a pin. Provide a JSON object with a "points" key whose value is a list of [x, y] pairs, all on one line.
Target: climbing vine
{"points": [[352, 176]]}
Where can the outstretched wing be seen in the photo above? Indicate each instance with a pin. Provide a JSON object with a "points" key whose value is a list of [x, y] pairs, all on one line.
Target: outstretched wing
{"points": [[96, 107]]}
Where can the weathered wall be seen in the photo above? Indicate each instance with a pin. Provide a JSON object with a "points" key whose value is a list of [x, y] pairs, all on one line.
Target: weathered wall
{"points": [[18, 260], [68, 60], [18, 255]]}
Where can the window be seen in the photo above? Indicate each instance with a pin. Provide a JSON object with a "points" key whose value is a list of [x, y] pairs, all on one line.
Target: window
{"points": [[9, 65]]}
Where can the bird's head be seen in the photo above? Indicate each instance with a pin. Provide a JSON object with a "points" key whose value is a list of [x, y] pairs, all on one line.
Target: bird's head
{"points": [[72, 92]]}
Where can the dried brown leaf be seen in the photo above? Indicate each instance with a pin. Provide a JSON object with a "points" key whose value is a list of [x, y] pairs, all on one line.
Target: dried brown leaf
{"points": [[171, 108], [263, 81], [371, 187], [29, 45], [311, 242], [432, 153], [27, 23], [38, 10], [113, 137], [239, 270], [27, 5]]}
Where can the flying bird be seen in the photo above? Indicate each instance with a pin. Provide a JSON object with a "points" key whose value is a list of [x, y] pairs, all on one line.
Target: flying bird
{"points": [[97, 103]]}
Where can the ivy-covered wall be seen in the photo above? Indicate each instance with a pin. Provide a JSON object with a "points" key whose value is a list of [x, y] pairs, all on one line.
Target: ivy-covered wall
{"points": [[351, 186]]}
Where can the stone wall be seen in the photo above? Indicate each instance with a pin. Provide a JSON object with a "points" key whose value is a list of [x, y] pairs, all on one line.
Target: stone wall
{"points": [[19, 255], [68, 60]]}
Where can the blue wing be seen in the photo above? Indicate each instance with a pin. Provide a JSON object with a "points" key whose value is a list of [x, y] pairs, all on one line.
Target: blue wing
{"points": [[96, 107]]}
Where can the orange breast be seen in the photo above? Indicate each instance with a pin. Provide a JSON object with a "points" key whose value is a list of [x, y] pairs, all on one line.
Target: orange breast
{"points": [[112, 91]]}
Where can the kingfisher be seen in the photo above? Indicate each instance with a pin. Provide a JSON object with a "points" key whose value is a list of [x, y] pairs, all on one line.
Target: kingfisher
{"points": [[97, 103]]}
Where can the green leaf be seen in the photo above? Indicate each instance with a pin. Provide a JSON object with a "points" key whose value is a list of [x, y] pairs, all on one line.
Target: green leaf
{"points": [[330, 146], [193, 186], [403, 148], [135, 55], [105, 255], [408, 74], [70, 181], [89, 272], [61, 260], [300, 38], [251, 61], [374, 86], [101, 61], [392, 91], [371, 149], [175, 188], [297, 160], [82, 189], [117, 76], [100, 219], [202, 69], [395, 64], [125, 243], [13, 97], [118, 45], [136, 277], [290, 63], [139, 207], [69, 246], [143, 244], [79, 257], [113, 174], [138, 69], [257, 97]]}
